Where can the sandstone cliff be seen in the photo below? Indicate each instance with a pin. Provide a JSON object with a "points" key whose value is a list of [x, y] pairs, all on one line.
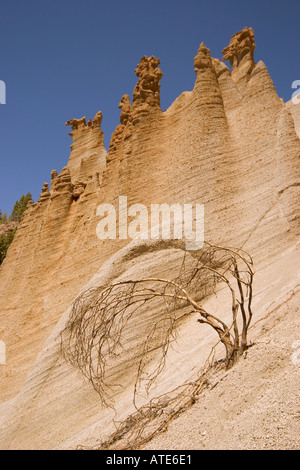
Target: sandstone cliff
{"points": [[229, 144]]}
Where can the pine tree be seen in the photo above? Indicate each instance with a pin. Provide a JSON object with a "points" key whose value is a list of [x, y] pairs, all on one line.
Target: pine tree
{"points": [[16, 215], [3, 217], [20, 207]]}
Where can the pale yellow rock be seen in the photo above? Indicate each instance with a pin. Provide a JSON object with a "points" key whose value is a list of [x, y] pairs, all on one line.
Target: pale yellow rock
{"points": [[88, 154]]}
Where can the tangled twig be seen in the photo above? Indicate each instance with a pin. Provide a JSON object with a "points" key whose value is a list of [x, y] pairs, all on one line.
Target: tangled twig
{"points": [[95, 331]]}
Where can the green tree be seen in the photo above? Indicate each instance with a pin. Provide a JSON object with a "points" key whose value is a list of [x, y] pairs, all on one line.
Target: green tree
{"points": [[16, 215], [20, 207], [3, 217]]}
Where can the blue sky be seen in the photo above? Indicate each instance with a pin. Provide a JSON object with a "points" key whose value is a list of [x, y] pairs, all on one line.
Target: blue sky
{"points": [[67, 59]]}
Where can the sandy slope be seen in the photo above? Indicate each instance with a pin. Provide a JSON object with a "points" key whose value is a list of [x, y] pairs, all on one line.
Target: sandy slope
{"points": [[258, 398], [255, 406]]}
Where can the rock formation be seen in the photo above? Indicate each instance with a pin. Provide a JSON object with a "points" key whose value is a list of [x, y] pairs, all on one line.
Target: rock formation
{"points": [[125, 106], [45, 194], [229, 144], [240, 54], [118, 134], [88, 153], [241, 48], [148, 86]]}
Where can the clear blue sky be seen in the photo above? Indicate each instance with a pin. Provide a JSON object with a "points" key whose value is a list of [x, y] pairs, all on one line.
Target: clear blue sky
{"points": [[64, 59]]}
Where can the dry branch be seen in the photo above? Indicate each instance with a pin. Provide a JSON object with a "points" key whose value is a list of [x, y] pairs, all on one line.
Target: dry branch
{"points": [[95, 330]]}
